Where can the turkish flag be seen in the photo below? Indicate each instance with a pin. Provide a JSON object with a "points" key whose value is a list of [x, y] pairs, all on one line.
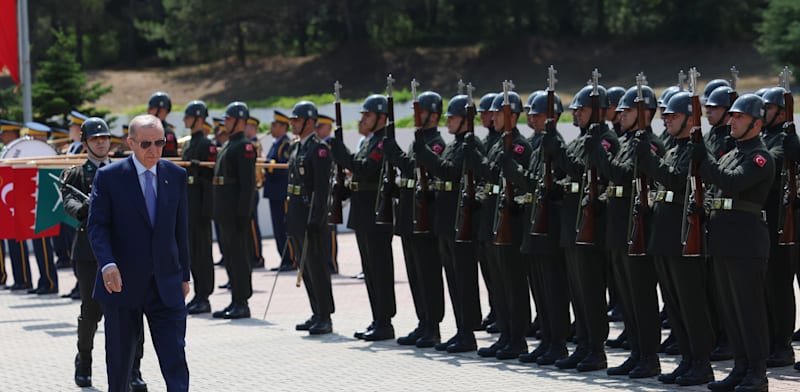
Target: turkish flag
{"points": [[8, 228], [9, 52], [25, 188]]}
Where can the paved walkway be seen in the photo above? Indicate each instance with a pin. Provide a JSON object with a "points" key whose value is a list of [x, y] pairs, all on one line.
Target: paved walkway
{"points": [[38, 335]]}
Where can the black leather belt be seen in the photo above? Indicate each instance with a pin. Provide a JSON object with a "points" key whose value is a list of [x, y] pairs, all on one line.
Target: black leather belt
{"points": [[223, 181]]}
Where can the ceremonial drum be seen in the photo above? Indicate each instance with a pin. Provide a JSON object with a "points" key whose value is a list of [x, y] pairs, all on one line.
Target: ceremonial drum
{"points": [[27, 148]]}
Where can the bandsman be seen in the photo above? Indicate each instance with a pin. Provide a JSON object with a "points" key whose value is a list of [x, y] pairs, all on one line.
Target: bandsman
{"points": [[275, 185]]}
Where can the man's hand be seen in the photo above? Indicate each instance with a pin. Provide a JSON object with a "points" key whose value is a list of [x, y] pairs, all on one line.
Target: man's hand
{"points": [[185, 289], [112, 279]]}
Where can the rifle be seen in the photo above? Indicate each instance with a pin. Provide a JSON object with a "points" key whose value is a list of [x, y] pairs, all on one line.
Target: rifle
{"points": [[692, 230], [467, 196], [540, 215], [786, 234], [421, 223], [586, 231], [734, 81], [384, 212], [502, 236], [335, 213], [637, 243]]}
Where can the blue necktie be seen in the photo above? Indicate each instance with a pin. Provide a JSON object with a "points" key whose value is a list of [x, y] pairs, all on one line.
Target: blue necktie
{"points": [[150, 196]]}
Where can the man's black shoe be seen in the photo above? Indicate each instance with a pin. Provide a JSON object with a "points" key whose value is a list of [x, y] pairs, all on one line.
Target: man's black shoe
{"points": [[198, 307], [20, 286], [647, 367], [620, 339], [571, 361], [552, 355], [463, 344], [321, 327], [683, 368], [258, 263], [753, 384], [493, 328], [43, 291], [72, 293], [411, 338], [238, 311], [593, 361], [225, 286], [511, 351], [781, 358], [283, 268], [797, 366], [532, 356], [83, 370], [625, 367], [137, 384], [221, 313], [430, 338], [443, 345], [491, 351], [63, 263], [728, 383], [699, 373], [380, 332], [305, 325], [359, 275], [360, 334]]}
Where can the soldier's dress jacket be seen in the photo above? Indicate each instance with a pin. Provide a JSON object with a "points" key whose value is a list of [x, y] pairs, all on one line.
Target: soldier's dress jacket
{"points": [[235, 179], [77, 205], [309, 180], [200, 148]]}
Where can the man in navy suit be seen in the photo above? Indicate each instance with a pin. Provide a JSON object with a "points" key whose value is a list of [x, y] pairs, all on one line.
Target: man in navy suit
{"points": [[138, 230]]}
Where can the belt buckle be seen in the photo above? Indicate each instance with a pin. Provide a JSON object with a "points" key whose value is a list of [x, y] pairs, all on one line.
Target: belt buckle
{"points": [[528, 198], [574, 187], [727, 204], [669, 196], [618, 190], [496, 189], [190, 180], [448, 186], [410, 183]]}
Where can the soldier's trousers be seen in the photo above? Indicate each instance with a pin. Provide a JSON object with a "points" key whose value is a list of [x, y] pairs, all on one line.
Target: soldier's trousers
{"points": [[332, 248], [3, 272], [461, 269], [256, 256], [591, 267], [513, 304], [316, 274], [482, 252], [740, 281], [573, 283], [555, 304], [375, 248], [62, 243], [20, 266], [200, 255], [234, 232], [424, 268], [48, 276], [636, 280], [536, 283], [92, 312], [781, 309], [683, 288]]}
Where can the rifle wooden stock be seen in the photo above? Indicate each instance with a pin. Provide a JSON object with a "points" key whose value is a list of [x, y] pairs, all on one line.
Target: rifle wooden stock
{"points": [[421, 222], [503, 234], [384, 214], [335, 213], [693, 243], [464, 226], [586, 229], [540, 222], [786, 235], [637, 244]]}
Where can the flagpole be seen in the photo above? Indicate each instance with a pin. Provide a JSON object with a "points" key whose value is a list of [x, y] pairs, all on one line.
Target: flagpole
{"points": [[25, 60]]}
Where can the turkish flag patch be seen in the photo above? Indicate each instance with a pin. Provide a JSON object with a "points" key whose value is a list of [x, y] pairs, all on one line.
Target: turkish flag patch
{"points": [[375, 155], [760, 160], [437, 148], [606, 144], [248, 147], [212, 149], [653, 147], [519, 149], [170, 137], [322, 153]]}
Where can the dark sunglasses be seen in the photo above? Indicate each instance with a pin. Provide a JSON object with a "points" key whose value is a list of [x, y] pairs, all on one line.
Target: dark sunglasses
{"points": [[147, 143]]}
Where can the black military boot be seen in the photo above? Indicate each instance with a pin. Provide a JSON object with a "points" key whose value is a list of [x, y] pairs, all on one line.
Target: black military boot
{"points": [[464, 343], [555, 353], [137, 384], [491, 351], [620, 339], [305, 325], [532, 356], [512, 350], [729, 383], [571, 361], [755, 380], [412, 337], [683, 368], [596, 360], [626, 367], [648, 366], [83, 369], [430, 337], [699, 373], [781, 356]]}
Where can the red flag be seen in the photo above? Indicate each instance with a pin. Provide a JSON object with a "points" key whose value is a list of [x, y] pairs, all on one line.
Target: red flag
{"points": [[25, 187], [9, 44], [8, 228]]}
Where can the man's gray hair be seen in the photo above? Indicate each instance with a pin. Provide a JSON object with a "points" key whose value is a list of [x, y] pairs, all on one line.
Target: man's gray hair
{"points": [[143, 121]]}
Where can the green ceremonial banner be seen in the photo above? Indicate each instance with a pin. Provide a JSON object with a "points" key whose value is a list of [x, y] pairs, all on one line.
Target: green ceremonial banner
{"points": [[49, 203]]}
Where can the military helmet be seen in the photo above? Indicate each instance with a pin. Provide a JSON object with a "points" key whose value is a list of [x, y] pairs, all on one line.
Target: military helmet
{"points": [[760, 92], [680, 102], [584, 98], [305, 109], [457, 106], [430, 101], [721, 96], [539, 104], [513, 100], [666, 94], [775, 96], [375, 103], [486, 102], [196, 109], [711, 86], [531, 97], [629, 99], [614, 94], [160, 99], [94, 126], [237, 110], [749, 104]]}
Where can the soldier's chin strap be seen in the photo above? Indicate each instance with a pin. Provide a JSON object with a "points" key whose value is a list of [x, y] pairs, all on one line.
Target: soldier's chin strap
{"points": [[770, 122], [721, 120], [461, 123], [685, 120], [375, 123], [749, 128], [194, 122]]}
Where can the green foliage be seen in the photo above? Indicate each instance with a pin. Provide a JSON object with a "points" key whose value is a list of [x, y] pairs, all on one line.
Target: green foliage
{"points": [[780, 33], [60, 84], [10, 104]]}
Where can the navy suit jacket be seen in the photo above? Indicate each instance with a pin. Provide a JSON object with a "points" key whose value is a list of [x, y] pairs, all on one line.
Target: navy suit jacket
{"points": [[120, 231]]}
